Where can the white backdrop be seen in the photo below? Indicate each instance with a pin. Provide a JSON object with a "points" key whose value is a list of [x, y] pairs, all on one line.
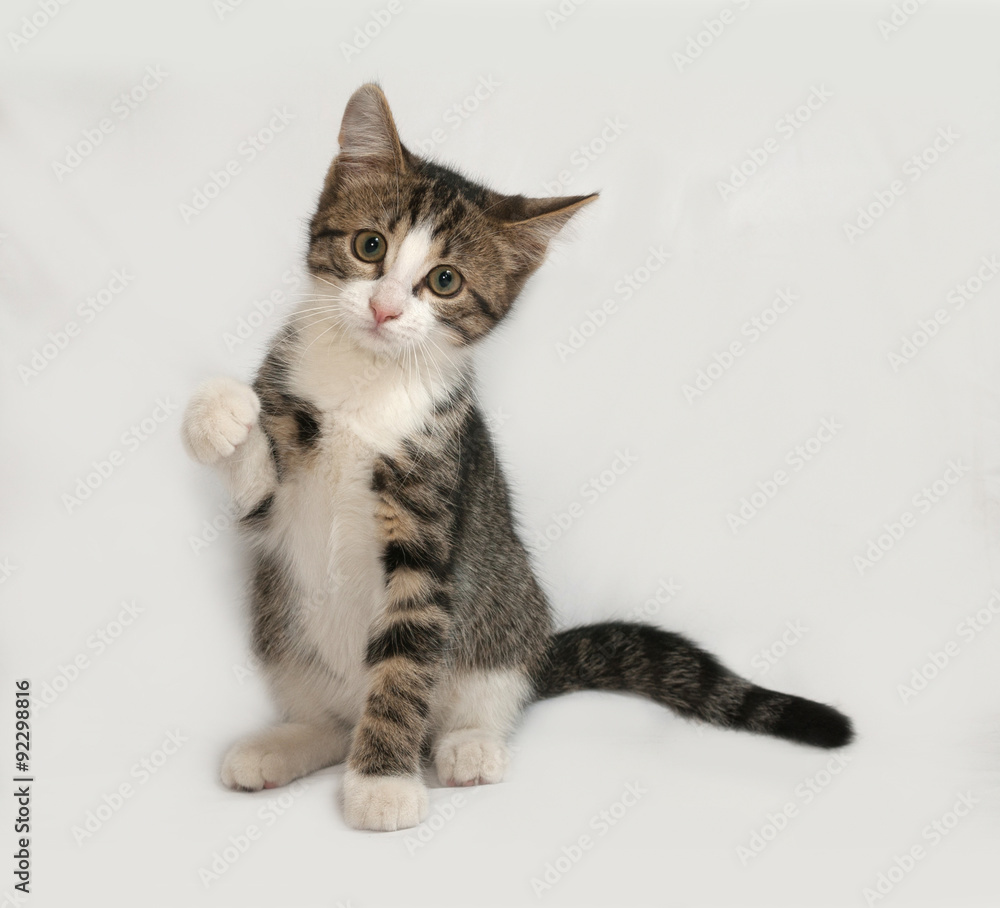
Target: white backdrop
{"points": [[799, 164]]}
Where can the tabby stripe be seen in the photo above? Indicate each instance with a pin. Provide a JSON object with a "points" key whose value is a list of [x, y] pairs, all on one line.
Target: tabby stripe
{"points": [[755, 698], [328, 232], [451, 323], [410, 698], [260, 512], [484, 306], [413, 555], [328, 268], [447, 222], [412, 449], [419, 643], [451, 403], [381, 757], [307, 427], [388, 709], [429, 512], [416, 203], [397, 475]]}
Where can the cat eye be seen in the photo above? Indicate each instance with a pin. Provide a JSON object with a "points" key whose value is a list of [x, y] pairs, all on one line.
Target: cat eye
{"points": [[369, 246], [444, 280]]}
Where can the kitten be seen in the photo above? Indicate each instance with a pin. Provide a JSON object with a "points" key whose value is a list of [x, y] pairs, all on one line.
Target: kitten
{"points": [[394, 608]]}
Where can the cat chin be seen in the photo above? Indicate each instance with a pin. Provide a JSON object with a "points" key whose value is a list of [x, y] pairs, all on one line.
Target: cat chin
{"points": [[406, 346], [384, 344]]}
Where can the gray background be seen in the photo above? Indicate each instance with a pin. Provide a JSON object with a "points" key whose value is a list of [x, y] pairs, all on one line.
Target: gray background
{"points": [[181, 667]]}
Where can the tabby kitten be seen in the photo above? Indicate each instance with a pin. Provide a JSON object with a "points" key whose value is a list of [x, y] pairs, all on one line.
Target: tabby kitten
{"points": [[394, 608]]}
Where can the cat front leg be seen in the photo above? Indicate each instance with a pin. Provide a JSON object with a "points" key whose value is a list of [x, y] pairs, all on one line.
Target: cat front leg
{"points": [[221, 428], [383, 789]]}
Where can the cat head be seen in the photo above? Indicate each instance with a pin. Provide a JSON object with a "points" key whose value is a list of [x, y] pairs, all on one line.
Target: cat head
{"points": [[408, 253]]}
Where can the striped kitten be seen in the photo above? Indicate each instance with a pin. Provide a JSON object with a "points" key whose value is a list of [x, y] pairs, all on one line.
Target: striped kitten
{"points": [[394, 608]]}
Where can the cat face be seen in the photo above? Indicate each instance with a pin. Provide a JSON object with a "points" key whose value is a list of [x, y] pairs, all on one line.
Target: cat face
{"points": [[409, 254]]}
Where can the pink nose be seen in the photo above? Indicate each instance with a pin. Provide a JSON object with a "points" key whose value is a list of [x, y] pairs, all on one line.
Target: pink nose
{"points": [[384, 312]]}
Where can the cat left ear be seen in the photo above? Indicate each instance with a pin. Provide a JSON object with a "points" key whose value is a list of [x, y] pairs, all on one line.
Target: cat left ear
{"points": [[532, 223], [368, 137]]}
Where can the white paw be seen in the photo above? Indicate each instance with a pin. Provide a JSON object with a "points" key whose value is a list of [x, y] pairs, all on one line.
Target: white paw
{"points": [[218, 419], [383, 803], [471, 757], [252, 764]]}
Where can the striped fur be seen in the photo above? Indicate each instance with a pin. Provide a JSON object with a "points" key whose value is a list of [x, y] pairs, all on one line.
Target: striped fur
{"points": [[671, 670], [393, 606]]}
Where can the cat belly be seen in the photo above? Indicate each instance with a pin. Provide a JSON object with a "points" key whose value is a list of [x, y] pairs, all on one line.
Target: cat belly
{"points": [[326, 520]]}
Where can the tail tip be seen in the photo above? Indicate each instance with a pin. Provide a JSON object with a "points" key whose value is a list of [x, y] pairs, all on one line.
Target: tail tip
{"points": [[815, 724]]}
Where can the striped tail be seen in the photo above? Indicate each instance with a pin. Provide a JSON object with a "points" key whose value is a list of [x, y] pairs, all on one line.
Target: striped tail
{"points": [[668, 668]]}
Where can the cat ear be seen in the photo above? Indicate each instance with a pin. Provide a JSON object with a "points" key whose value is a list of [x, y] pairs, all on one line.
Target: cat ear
{"points": [[532, 223], [368, 137]]}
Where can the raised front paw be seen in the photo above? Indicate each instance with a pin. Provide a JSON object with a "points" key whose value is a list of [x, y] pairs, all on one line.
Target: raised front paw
{"points": [[383, 803], [218, 419]]}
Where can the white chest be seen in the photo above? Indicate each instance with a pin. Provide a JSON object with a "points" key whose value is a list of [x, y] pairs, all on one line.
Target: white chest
{"points": [[326, 517]]}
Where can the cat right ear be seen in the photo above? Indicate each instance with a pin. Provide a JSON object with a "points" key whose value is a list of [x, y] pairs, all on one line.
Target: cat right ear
{"points": [[532, 223], [368, 137]]}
